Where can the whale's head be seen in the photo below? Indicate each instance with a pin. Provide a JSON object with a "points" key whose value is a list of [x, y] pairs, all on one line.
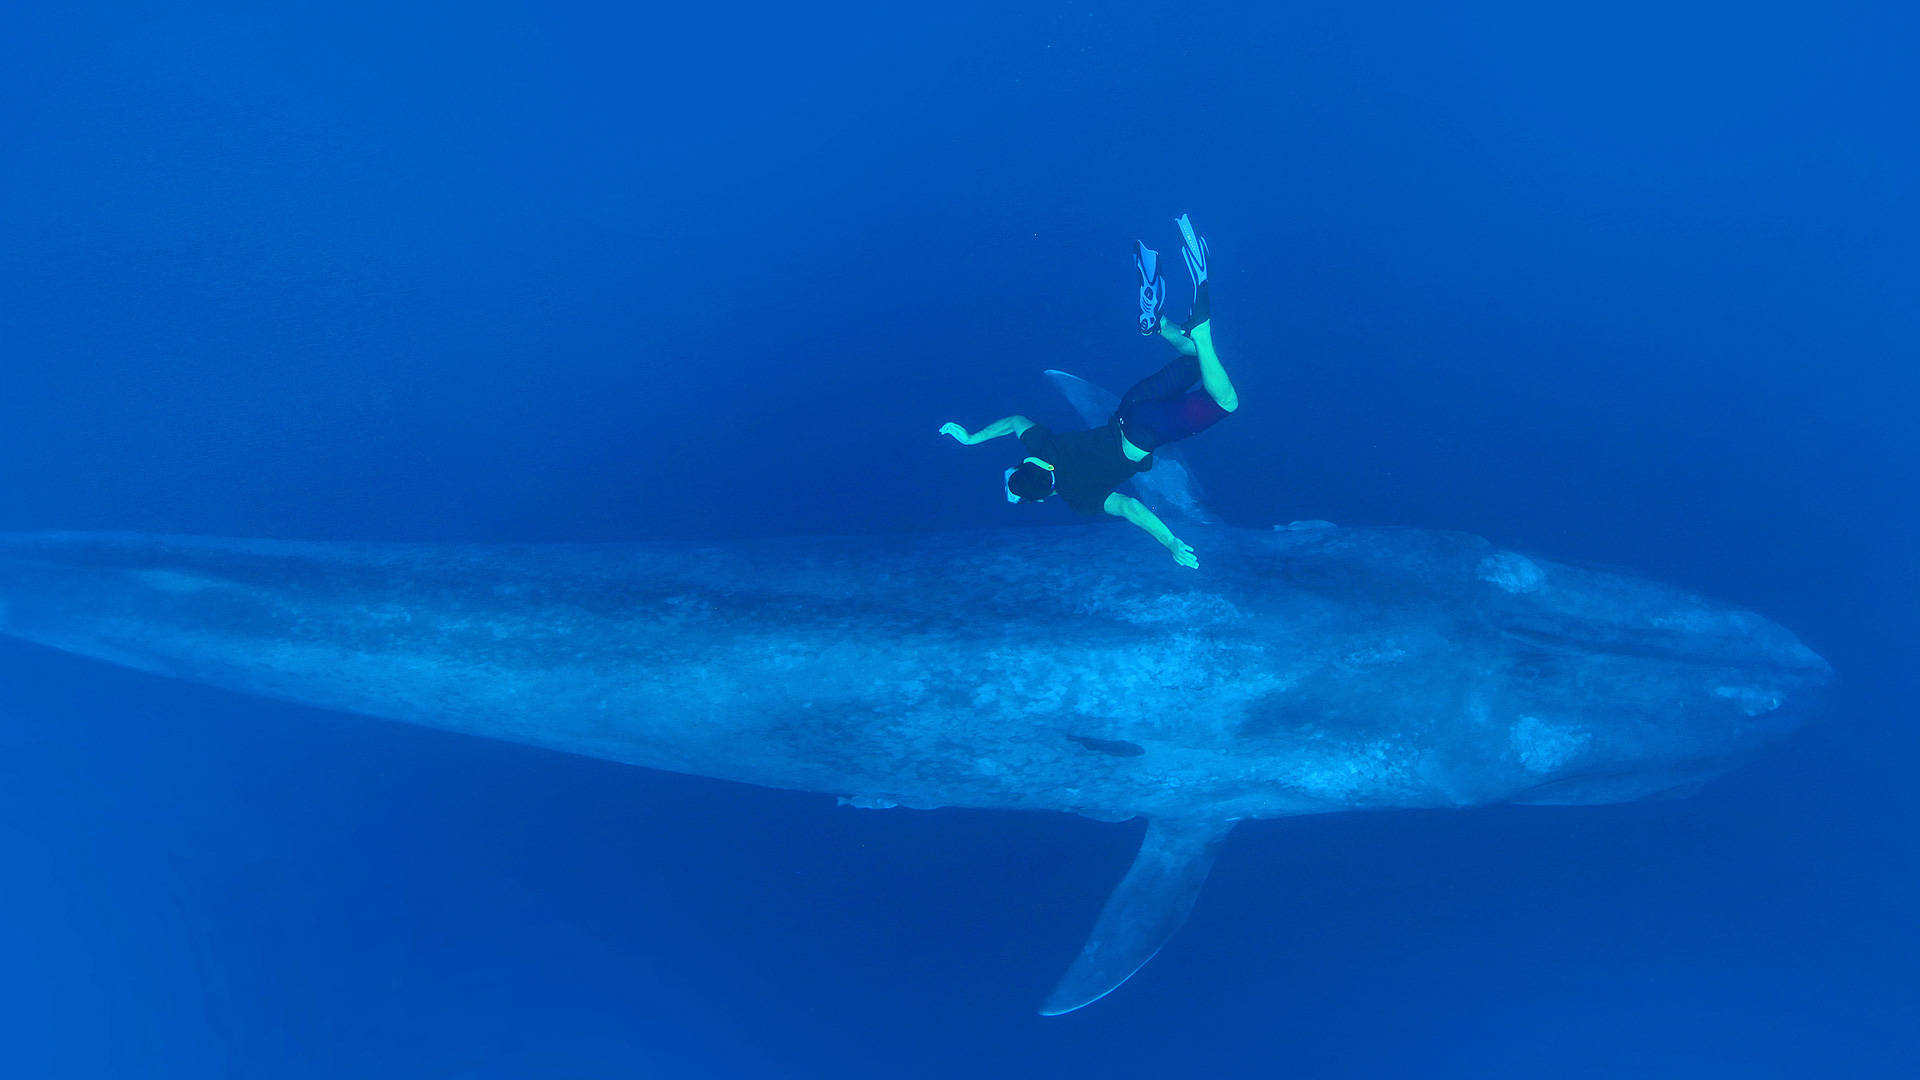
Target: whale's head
{"points": [[1497, 676], [1610, 687]]}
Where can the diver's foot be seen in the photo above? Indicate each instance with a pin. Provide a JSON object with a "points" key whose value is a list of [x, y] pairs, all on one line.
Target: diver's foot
{"points": [[1202, 311]]}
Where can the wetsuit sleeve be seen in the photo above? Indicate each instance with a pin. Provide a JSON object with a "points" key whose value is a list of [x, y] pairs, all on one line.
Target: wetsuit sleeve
{"points": [[1038, 441]]}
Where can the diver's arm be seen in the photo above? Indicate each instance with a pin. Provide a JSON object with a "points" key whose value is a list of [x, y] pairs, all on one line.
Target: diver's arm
{"points": [[1015, 425], [1132, 509]]}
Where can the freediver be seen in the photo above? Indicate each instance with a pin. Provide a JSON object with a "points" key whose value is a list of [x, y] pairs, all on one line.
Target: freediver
{"points": [[1084, 467]]}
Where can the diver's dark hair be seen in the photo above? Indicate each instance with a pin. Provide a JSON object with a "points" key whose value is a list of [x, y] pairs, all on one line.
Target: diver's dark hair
{"points": [[1031, 482]]}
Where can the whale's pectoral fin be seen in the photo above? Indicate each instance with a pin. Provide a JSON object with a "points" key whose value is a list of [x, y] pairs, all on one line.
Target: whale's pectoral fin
{"points": [[1095, 405], [1148, 906]]}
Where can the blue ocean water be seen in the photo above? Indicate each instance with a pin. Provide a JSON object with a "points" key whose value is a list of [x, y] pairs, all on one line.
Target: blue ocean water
{"points": [[1631, 285]]}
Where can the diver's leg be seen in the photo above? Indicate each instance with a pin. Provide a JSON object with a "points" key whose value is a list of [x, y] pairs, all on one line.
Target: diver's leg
{"points": [[1213, 376], [1150, 425], [1161, 408], [1167, 383], [1193, 250]]}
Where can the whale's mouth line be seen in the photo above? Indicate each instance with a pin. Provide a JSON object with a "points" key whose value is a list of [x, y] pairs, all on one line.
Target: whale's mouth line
{"points": [[1726, 654], [1682, 778]]}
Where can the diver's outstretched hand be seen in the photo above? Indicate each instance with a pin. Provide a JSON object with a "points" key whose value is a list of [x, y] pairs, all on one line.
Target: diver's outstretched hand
{"points": [[1183, 553], [959, 433]]}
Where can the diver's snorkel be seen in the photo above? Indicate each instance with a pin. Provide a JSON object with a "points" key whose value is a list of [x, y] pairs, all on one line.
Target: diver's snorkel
{"points": [[1006, 478]]}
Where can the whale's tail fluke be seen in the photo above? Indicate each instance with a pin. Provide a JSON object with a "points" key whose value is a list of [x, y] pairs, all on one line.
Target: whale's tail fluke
{"points": [[1151, 902]]}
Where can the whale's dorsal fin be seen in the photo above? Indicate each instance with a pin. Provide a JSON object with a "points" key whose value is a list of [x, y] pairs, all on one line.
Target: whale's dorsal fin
{"points": [[1145, 909], [1168, 486]]}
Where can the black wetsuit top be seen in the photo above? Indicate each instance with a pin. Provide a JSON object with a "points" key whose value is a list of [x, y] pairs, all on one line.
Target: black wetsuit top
{"points": [[1087, 465]]}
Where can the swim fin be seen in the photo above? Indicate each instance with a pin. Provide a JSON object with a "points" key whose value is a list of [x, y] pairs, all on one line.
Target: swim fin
{"points": [[1193, 250], [1153, 287]]}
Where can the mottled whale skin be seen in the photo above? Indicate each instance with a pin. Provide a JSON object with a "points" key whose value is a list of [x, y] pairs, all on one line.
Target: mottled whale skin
{"points": [[1301, 670]]}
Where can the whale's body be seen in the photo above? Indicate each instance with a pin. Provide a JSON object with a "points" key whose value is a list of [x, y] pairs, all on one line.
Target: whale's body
{"points": [[1300, 671]]}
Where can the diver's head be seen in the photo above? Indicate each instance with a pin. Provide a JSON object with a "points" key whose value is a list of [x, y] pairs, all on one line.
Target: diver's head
{"points": [[1029, 481]]}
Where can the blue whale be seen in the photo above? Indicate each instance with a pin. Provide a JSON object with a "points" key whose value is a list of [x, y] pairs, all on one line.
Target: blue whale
{"points": [[1301, 670]]}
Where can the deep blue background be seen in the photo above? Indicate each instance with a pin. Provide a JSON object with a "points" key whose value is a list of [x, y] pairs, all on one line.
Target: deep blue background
{"points": [[1631, 283]]}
